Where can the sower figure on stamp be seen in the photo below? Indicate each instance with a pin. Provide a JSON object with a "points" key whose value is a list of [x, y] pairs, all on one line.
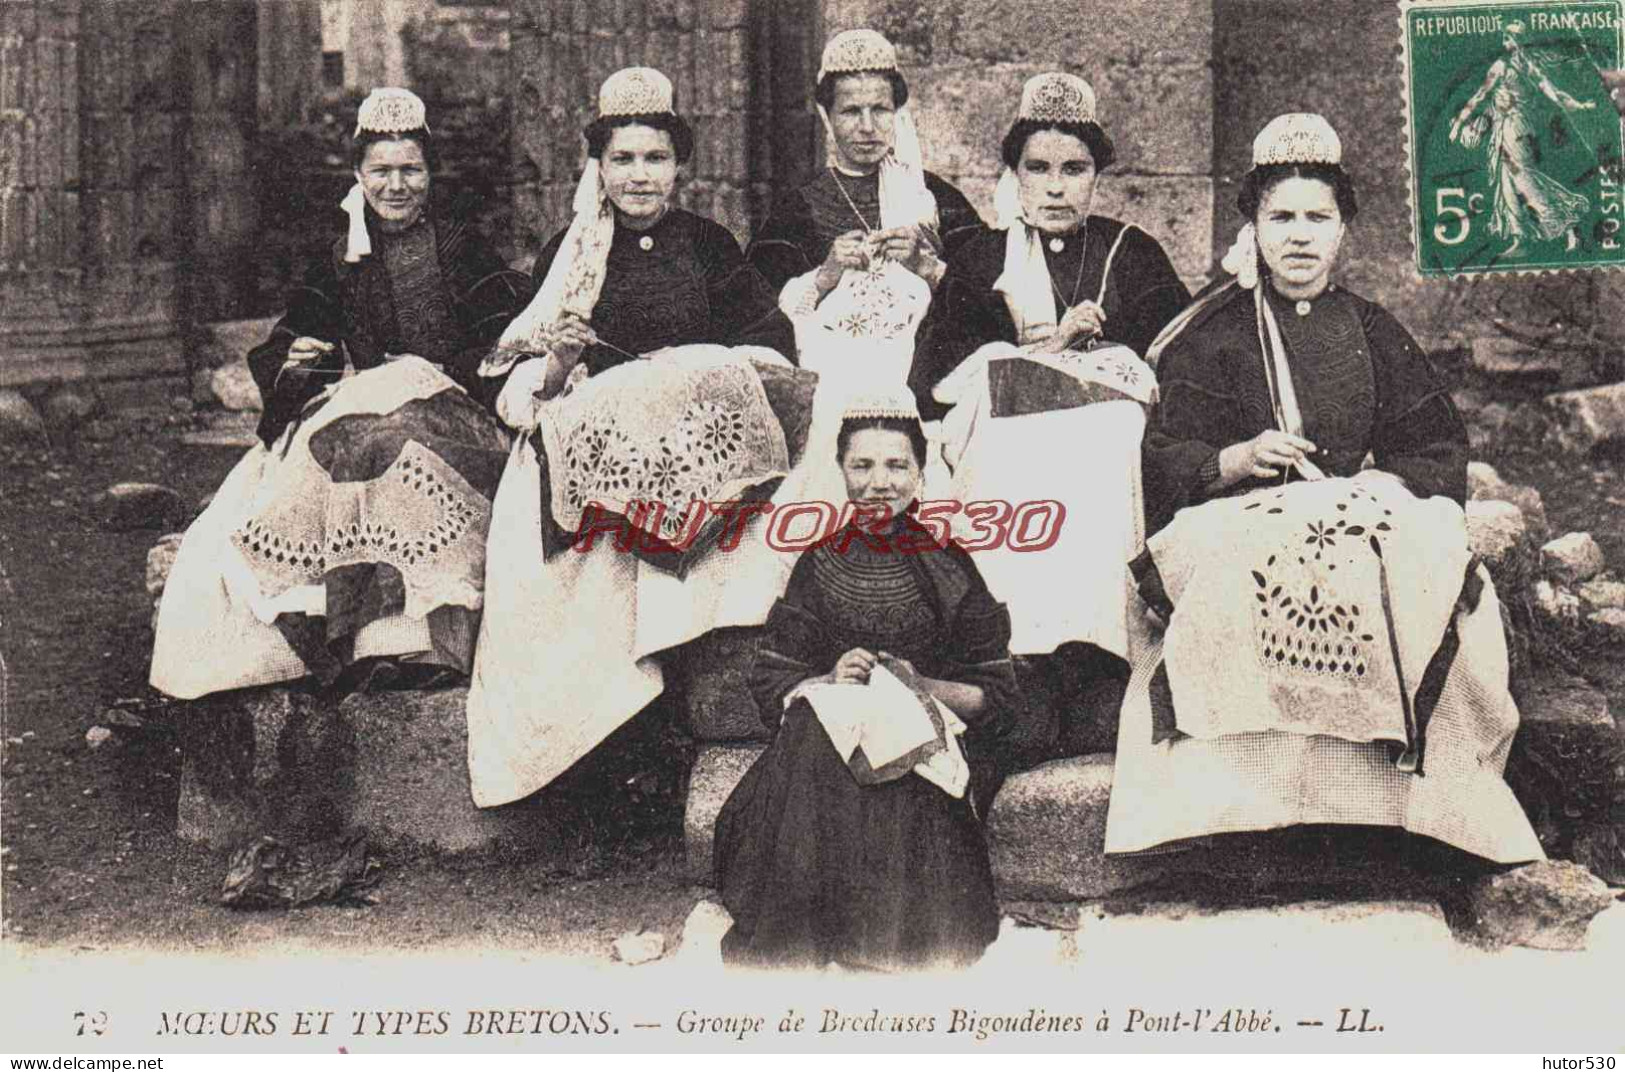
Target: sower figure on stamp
{"points": [[855, 837], [357, 530], [1527, 202], [856, 253], [638, 378], [1330, 651], [1042, 326]]}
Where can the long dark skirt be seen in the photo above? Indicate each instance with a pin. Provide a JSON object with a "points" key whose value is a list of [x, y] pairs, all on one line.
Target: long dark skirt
{"points": [[816, 868]]}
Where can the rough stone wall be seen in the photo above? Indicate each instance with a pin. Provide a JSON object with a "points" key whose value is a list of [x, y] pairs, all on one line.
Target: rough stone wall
{"points": [[562, 50], [1150, 66], [93, 136], [290, 60], [221, 69], [1341, 58]]}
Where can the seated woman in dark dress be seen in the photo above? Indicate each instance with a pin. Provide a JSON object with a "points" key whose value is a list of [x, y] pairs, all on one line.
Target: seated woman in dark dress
{"points": [[1038, 352], [855, 254], [857, 841], [620, 377], [1332, 651], [358, 528]]}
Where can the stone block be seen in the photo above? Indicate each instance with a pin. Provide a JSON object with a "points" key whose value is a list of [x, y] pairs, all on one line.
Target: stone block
{"points": [[713, 675], [232, 386], [160, 560], [1545, 905], [70, 405], [1498, 534], [128, 506], [1159, 118], [411, 781], [726, 14], [1047, 835], [227, 342], [282, 762], [20, 422], [1564, 763], [1572, 558], [1054, 35], [1177, 212], [1484, 483], [1589, 418], [717, 770], [1602, 594], [1608, 627]]}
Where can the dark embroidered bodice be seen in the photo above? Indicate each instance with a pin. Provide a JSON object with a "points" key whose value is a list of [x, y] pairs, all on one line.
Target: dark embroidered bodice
{"points": [[832, 216], [876, 601], [1333, 375], [657, 296], [425, 322], [680, 282]]}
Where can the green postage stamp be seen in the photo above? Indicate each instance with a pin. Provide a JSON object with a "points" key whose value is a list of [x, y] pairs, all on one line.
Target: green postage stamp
{"points": [[1515, 146]]}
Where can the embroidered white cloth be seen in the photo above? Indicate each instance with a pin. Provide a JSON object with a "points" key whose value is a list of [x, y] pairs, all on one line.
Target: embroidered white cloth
{"points": [[228, 585], [860, 341], [886, 719], [532, 711], [1086, 459], [1191, 786], [1279, 618], [694, 423]]}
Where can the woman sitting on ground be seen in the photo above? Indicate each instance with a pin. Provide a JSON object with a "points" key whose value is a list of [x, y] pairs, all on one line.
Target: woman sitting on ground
{"points": [[855, 837]]}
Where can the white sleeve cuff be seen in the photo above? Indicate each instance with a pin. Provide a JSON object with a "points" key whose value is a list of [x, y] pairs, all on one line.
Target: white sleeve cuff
{"points": [[799, 298], [519, 405]]}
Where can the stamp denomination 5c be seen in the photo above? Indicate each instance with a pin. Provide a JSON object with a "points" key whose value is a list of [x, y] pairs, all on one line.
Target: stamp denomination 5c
{"points": [[1515, 146]]}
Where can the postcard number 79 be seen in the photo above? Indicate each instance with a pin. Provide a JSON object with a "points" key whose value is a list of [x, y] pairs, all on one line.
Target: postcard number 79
{"points": [[96, 1022]]}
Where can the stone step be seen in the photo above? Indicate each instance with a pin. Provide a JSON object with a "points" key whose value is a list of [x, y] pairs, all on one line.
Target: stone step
{"points": [[1046, 830], [282, 761], [1047, 833]]}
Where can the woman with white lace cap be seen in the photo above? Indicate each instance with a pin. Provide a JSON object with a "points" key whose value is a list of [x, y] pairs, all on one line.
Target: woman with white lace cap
{"points": [[1043, 322], [624, 381], [856, 252], [1329, 651], [354, 536]]}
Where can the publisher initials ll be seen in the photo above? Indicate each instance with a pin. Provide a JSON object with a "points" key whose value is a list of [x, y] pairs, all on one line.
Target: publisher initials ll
{"points": [[1344, 1024]]}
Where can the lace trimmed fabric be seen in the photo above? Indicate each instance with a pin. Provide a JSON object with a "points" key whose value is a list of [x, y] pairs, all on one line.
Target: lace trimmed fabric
{"points": [[1308, 580], [694, 423], [420, 516]]}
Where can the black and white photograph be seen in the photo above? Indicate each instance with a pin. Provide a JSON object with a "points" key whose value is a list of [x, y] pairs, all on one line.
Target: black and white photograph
{"points": [[1104, 532]]}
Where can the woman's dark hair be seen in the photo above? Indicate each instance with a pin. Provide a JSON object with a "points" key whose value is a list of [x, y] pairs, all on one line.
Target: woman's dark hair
{"points": [[1260, 180], [368, 138], [909, 426], [824, 92], [599, 130], [1091, 134]]}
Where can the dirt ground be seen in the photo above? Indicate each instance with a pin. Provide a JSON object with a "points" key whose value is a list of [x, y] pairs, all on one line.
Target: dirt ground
{"points": [[90, 856]]}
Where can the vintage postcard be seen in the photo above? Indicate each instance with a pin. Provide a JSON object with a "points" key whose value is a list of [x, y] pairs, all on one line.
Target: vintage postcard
{"points": [[1515, 148], [809, 526]]}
